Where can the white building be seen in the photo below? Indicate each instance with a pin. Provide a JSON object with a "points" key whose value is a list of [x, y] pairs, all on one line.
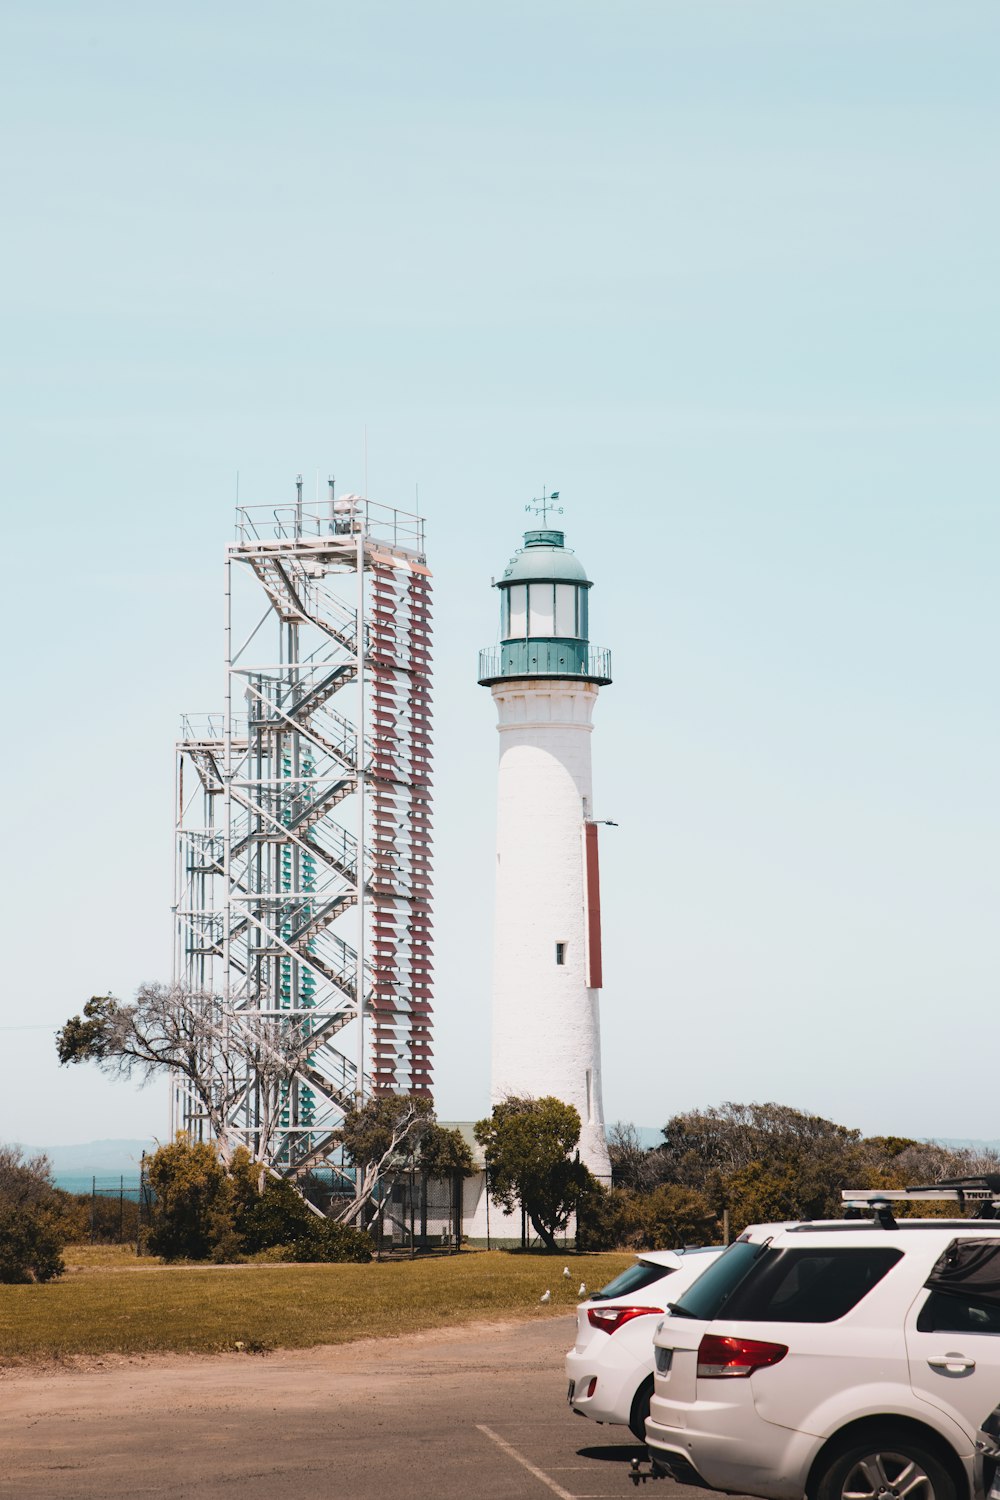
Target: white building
{"points": [[545, 678]]}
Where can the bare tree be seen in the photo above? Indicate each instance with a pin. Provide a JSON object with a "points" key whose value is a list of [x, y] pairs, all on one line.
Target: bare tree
{"points": [[633, 1165], [218, 1050], [381, 1136]]}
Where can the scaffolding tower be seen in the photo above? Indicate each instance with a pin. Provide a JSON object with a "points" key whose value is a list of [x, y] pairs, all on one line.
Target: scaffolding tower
{"points": [[303, 869]]}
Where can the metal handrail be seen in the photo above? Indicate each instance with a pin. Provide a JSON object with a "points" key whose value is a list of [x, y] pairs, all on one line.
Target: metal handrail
{"points": [[596, 664], [380, 523]]}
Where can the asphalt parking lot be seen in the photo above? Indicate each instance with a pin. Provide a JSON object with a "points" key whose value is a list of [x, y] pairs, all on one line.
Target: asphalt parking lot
{"points": [[444, 1416]]}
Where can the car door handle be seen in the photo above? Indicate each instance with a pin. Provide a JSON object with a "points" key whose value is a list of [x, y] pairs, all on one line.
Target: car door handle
{"points": [[955, 1364]]}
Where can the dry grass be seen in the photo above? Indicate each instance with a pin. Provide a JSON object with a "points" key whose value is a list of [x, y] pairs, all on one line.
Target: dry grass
{"points": [[110, 1302], [85, 1259]]}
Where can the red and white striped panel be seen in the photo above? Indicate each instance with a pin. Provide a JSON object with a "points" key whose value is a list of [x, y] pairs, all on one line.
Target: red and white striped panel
{"points": [[400, 864]]}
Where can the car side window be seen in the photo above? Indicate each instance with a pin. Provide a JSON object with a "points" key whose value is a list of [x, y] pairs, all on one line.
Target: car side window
{"points": [[809, 1285], [946, 1312]]}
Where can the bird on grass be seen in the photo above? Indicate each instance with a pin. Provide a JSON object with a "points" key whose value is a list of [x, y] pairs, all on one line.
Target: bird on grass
{"points": [[581, 1290], [566, 1272], [546, 1296]]}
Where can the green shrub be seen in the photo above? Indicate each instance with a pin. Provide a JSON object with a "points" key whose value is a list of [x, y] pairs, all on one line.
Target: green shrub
{"points": [[31, 1231], [277, 1216], [30, 1245], [601, 1219], [322, 1239], [192, 1217], [663, 1219]]}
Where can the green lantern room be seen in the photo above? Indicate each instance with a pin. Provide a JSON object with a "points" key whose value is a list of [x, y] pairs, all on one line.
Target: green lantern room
{"points": [[544, 616]]}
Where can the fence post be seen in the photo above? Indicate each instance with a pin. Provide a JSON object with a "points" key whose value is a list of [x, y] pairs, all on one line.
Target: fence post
{"points": [[141, 1204], [423, 1210], [93, 1208], [457, 1206], [413, 1223]]}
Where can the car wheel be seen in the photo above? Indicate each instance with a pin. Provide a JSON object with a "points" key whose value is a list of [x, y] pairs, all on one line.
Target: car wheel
{"points": [[887, 1466], [640, 1410]]}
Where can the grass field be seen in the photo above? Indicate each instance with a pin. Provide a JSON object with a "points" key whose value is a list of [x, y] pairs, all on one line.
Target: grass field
{"points": [[111, 1302]]}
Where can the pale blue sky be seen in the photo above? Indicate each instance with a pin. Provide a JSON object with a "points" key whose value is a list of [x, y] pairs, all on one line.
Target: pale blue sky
{"points": [[722, 273]]}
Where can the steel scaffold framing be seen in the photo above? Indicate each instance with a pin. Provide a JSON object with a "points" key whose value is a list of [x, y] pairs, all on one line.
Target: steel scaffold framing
{"points": [[302, 880]]}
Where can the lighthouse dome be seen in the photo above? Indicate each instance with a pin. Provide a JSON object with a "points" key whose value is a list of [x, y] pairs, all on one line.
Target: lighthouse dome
{"points": [[545, 556]]}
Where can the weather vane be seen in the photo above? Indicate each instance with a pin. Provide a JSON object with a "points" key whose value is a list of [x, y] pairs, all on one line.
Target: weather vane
{"points": [[544, 505]]}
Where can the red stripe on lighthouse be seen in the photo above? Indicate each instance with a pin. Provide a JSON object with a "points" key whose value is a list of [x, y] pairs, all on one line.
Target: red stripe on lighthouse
{"points": [[592, 906]]}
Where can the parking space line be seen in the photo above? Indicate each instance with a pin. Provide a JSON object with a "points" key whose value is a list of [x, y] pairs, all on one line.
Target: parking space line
{"points": [[525, 1463]]}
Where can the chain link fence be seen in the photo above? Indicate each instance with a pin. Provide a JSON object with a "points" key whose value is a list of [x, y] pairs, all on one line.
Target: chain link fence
{"points": [[109, 1210], [412, 1213]]}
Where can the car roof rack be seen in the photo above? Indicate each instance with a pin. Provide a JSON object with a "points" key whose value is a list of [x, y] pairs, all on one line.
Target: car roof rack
{"points": [[981, 1192]]}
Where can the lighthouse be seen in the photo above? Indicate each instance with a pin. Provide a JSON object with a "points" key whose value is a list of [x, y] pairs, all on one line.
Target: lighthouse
{"points": [[545, 678]]}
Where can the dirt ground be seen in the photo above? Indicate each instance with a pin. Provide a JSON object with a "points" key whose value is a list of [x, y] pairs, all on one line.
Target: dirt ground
{"points": [[448, 1415]]}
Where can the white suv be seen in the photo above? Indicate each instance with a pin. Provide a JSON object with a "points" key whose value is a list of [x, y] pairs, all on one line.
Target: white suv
{"points": [[841, 1360], [610, 1367]]}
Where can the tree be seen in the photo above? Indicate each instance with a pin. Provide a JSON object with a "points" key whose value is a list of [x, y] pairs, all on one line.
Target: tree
{"points": [[532, 1159], [767, 1162], [762, 1161], [31, 1232], [219, 1050], [380, 1136], [444, 1153], [731, 1136], [633, 1165]]}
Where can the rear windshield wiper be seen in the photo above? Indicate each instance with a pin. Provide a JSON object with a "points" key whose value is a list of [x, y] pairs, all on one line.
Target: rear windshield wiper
{"points": [[679, 1310]]}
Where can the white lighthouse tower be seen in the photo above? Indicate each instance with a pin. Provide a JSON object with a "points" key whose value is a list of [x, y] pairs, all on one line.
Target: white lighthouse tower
{"points": [[545, 677]]}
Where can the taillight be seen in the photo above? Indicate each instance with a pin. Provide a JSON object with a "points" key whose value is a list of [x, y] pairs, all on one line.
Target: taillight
{"points": [[721, 1358], [612, 1318]]}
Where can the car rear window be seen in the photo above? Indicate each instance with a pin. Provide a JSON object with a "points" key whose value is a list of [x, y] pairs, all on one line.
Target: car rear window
{"points": [[809, 1285], [641, 1275], [707, 1296]]}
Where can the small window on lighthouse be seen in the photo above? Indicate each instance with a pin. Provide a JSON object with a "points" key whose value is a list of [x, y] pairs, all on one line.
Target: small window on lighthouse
{"points": [[560, 953]]}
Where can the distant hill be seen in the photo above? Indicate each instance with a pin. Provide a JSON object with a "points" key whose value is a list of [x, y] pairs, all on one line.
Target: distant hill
{"points": [[955, 1144], [650, 1136], [71, 1164]]}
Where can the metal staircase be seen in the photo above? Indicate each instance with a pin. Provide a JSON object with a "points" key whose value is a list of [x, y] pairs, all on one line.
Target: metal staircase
{"points": [[275, 889]]}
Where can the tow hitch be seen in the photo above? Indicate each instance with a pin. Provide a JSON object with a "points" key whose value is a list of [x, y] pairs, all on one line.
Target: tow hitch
{"points": [[639, 1475]]}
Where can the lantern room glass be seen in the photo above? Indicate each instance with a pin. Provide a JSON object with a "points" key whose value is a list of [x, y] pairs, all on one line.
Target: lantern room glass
{"points": [[541, 609], [545, 611], [517, 624], [566, 610]]}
